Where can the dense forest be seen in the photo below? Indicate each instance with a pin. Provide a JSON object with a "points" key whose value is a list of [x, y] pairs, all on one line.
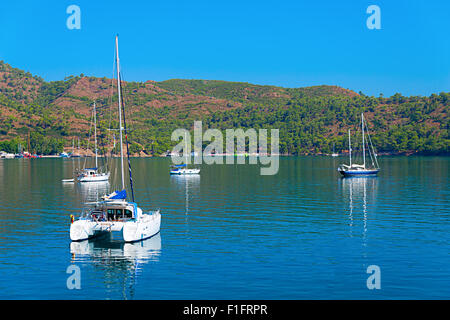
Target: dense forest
{"points": [[47, 116]]}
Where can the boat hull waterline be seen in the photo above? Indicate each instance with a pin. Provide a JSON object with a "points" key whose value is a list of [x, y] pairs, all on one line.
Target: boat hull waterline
{"points": [[359, 173]]}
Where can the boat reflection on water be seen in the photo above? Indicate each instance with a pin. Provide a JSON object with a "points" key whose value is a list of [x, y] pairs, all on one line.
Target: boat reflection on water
{"points": [[119, 263], [93, 191], [361, 193], [182, 180], [103, 249]]}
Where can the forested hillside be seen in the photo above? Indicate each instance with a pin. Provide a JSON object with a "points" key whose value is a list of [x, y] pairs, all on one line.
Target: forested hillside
{"points": [[49, 115]]}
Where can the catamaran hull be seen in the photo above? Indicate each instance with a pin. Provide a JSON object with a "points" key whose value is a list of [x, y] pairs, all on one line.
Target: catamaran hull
{"points": [[358, 173], [146, 227], [82, 230], [130, 231]]}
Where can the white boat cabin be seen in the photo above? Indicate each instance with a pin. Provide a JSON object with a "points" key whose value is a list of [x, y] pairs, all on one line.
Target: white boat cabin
{"points": [[89, 172]]}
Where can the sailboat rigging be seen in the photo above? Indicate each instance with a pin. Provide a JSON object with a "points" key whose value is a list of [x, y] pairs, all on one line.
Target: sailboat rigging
{"points": [[93, 174], [353, 169], [182, 169]]}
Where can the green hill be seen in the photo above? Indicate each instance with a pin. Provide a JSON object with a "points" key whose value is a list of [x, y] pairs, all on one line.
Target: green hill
{"points": [[310, 119]]}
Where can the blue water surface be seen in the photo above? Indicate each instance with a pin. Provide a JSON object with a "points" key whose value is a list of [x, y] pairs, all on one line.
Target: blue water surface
{"points": [[231, 233]]}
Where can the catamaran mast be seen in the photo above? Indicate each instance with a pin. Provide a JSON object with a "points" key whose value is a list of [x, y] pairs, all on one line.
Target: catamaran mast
{"points": [[95, 136], [120, 111], [364, 147]]}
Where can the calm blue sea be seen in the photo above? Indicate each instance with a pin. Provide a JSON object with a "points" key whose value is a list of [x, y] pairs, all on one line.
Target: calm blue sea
{"points": [[305, 233]]}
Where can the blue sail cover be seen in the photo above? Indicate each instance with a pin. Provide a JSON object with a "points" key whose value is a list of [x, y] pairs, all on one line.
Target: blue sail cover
{"points": [[120, 195], [180, 165]]}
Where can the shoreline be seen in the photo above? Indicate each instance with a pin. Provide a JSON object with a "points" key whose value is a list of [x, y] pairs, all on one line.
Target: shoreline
{"points": [[382, 154]]}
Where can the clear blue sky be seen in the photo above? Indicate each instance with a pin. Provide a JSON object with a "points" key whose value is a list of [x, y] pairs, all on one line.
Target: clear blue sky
{"points": [[286, 43]]}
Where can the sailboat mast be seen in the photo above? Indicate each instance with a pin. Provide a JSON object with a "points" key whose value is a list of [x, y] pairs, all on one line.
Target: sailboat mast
{"points": [[120, 110], [363, 144], [186, 152], [349, 147], [95, 136]]}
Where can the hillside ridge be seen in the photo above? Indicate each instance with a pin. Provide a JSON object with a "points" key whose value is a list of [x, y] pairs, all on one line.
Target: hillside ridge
{"points": [[310, 119]]}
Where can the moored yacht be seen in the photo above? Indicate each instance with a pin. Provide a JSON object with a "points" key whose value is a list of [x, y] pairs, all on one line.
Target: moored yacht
{"points": [[93, 174], [334, 154], [353, 169], [182, 169]]}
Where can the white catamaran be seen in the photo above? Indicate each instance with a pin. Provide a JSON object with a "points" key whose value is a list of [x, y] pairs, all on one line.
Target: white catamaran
{"points": [[114, 215], [353, 169]]}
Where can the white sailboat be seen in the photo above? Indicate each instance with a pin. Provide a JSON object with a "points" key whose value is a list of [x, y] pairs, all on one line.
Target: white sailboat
{"points": [[114, 216], [182, 169], [334, 154], [353, 169], [93, 174]]}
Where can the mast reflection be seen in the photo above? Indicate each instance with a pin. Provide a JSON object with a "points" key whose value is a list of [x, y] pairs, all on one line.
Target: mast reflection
{"points": [[93, 191], [361, 195], [187, 182]]}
